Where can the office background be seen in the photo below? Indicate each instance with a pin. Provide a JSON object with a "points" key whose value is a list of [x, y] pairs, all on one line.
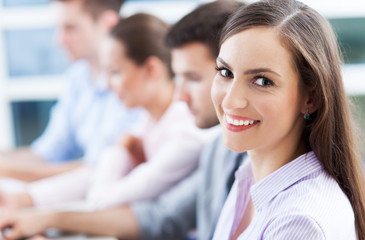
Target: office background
{"points": [[31, 63]]}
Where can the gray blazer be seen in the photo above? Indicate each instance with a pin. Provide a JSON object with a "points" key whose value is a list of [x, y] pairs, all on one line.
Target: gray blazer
{"points": [[195, 202]]}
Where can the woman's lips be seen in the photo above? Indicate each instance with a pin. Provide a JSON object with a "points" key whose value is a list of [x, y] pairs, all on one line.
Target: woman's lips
{"points": [[238, 123]]}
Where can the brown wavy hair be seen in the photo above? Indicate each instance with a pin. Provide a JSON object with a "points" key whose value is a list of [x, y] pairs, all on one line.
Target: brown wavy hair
{"points": [[313, 45]]}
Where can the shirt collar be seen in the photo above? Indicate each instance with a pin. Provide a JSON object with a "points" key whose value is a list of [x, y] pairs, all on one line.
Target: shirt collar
{"points": [[101, 83], [266, 189]]}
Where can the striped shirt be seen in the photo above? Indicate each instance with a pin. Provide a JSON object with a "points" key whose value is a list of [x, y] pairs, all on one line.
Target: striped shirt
{"points": [[298, 201]]}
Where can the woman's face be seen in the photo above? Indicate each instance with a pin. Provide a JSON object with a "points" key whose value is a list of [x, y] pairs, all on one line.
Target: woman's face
{"points": [[257, 93], [125, 77]]}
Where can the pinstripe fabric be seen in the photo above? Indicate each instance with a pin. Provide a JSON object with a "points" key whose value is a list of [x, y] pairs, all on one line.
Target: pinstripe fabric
{"points": [[298, 201]]}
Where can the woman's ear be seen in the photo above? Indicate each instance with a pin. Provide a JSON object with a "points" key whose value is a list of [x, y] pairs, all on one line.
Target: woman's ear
{"points": [[311, 102], [154, 67]]}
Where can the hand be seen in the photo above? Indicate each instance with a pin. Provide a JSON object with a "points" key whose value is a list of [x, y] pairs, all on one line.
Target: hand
{"points": [[7, 202], [134, 146], [24, 224]]}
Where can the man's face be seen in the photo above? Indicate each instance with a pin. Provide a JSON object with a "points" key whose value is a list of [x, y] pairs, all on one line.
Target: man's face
{"points": [[194, 67], [78, 32]]}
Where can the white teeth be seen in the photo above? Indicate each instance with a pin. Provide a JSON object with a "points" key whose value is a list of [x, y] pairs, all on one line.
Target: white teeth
{"points": [[236, 122]]}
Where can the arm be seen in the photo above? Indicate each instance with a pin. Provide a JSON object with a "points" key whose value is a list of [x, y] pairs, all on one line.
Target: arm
{"points": [[56, 144], [25, 165], [115, 162], [172, 214], [119, 222], [175, 159], [66, 187]]}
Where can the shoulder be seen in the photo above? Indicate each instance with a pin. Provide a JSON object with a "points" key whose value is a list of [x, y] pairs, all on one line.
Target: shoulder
{"points": [[214, 147], [294, 226], [312, 201], [178, 110], [78, 67], [177, 116], [216, 158], [79, 73]]}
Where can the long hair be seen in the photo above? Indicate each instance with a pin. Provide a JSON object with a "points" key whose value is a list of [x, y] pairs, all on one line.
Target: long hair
{"points": [[316, 57]]}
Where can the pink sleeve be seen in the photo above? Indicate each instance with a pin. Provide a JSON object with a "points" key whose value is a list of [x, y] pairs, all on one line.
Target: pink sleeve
{"points": [[176, 159], [69, 186]]}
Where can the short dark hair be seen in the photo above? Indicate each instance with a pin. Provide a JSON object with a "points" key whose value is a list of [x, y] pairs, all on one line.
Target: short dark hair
{"points": [[143, 36], [96, 7], [204, 25]]}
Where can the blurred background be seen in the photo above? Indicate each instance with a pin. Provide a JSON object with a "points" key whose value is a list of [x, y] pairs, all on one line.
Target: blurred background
{"points": [[31, 63]]}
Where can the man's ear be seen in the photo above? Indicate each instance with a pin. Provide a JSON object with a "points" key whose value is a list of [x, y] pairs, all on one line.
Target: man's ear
{"points": [[109, 19], [311, 102]]}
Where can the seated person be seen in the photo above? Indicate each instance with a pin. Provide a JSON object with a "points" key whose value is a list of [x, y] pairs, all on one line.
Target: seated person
{"points": [[170, 141], [87, 117]]}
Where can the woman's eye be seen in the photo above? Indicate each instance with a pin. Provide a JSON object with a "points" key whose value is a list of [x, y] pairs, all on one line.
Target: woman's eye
{"points": [[263, 82], [224, 72]]}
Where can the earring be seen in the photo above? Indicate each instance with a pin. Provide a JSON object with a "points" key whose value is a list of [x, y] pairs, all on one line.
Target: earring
{"points": [[306, 115]]}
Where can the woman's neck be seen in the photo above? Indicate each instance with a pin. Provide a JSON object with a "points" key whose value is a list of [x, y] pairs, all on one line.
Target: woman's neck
{"points": [[160, 99], [267, 160]]}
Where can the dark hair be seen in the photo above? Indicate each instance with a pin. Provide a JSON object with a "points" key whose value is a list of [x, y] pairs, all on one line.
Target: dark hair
{"points": [[143, 36], [97, 7], [313, 45], [204, 25]]}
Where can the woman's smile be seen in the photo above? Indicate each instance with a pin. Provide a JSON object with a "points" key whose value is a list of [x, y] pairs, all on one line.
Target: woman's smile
{"points": [[237, 123]]}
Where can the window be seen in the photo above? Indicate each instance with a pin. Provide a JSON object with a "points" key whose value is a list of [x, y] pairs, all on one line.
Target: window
{"points": [[33, 52], [30, 119], [13, 3], [31, 67], [351, 37]]}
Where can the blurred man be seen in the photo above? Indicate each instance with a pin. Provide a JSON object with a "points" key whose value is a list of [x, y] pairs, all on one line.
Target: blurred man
{"points": [[88, 116], [196, 201]]}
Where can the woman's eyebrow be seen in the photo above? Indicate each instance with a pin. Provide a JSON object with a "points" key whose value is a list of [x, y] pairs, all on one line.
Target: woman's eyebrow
{"points": [[260, 70], [249, 71], [223, 62]]}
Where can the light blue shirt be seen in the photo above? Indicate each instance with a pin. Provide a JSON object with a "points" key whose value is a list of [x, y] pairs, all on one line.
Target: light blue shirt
{"points": [[87, 118], [298, 201]]}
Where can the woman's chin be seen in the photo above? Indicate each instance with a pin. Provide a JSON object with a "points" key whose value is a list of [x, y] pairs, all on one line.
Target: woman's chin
{"points": [[234, 146]]}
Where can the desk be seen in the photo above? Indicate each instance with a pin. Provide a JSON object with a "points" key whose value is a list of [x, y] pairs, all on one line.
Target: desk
{"points": [[82, 237], [73, 237]]}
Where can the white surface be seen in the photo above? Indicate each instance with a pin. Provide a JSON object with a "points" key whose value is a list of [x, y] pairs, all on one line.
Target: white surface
{"points": [[11, 185]]}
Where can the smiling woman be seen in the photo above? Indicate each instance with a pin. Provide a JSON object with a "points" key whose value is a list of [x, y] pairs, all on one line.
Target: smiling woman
{"points": [[279, 95]]}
